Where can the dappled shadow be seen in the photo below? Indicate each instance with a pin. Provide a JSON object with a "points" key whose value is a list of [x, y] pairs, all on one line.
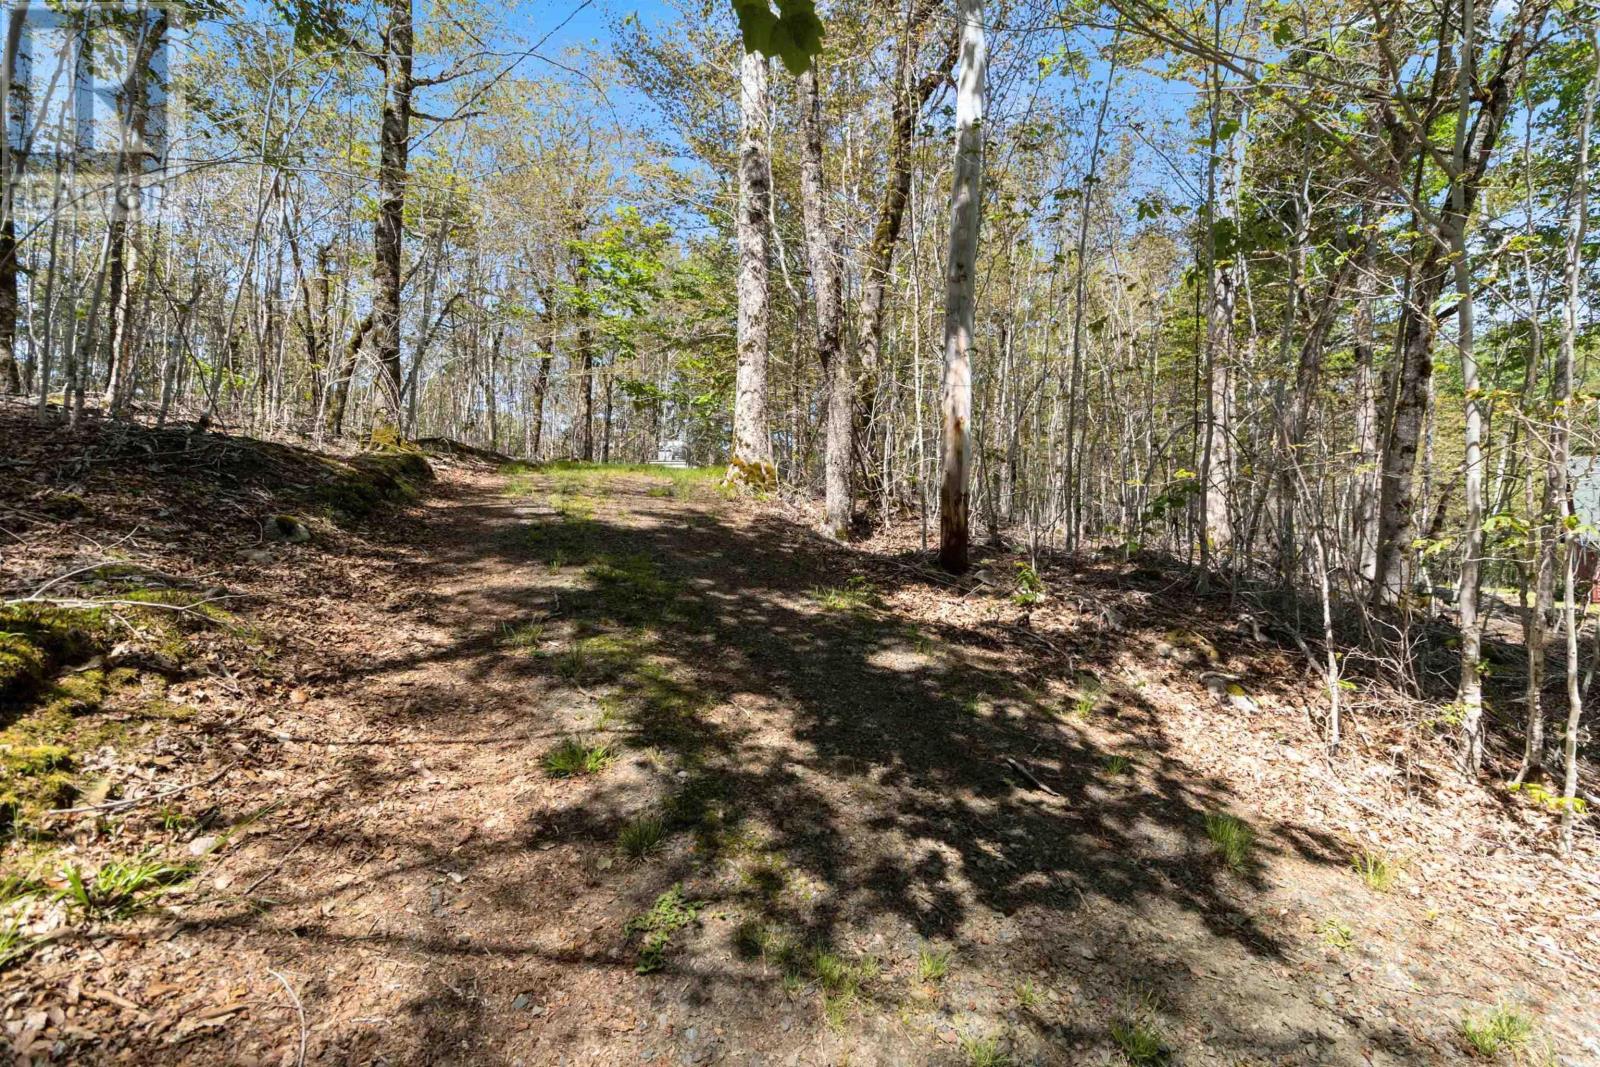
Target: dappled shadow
{"points": [[870, 781]]}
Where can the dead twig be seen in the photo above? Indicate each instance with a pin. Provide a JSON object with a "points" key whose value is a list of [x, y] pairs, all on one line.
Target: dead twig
{"points": [[300, 1010], [123, 805], [1029, 775]]}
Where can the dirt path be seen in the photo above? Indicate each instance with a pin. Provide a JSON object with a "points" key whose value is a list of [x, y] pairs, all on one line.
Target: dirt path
{"points": [[806, 837]]}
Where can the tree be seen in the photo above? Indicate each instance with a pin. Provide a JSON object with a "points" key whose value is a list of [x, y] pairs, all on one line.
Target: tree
{"points": [[823, 252], [961, 283], [750, 464]]}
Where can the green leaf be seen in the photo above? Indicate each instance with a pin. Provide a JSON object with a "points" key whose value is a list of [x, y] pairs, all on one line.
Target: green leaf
{"points": [[792, 34]]}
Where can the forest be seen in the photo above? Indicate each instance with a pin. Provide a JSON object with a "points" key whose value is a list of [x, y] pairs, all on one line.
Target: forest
{"points": [[898, 479]]}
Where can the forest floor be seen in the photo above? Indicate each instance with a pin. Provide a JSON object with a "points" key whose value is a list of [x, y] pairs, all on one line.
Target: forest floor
{"points": [[561, 766]]}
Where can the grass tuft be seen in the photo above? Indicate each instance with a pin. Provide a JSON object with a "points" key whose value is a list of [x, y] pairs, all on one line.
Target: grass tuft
{"points": [[855, 595], [1232, 839], [1375, 869], [932, 965], [641, 836], [1117, 766], [572, 757], [1503, 1028], [1336, 933], [120, 887], [1140, 1042], [984, 1052]]}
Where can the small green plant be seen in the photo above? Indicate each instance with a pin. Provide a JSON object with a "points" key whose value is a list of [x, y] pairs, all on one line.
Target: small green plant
{"points": [[670, 913], [18, 886], [1544, 798], [1140, 1042], [1082, 707], [572, 757], [857, 594], [1030, 587], [526, 637], [840, 981], [1117, 766], [1336, 933], [984, 1052], [120, 887], [1232, 839], [932, 965], [1503, 1028], [641, 836], [12, 943], [1375, 869], [1028, 995]]}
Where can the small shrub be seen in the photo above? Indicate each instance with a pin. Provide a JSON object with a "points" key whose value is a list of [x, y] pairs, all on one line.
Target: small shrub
{"points": [[1232, 839], [572, 757], [1030, 587], [641, 836], [1502, 1028], [932, 965], [670, 913], [1375, 869]]}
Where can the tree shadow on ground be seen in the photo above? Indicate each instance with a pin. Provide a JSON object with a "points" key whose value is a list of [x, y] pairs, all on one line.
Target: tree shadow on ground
{"points": [[863, 774]]}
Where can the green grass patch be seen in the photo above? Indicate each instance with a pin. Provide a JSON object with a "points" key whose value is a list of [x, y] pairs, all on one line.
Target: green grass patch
{"points": [[932, 964], [984, 1052], [523, 637], [671, 912], [1231, 838], [1501, 1029], [1375, 868], [856, 595], [573, 758], [641, 836], [120, 887], [1117, 766], [1141, 1042]]}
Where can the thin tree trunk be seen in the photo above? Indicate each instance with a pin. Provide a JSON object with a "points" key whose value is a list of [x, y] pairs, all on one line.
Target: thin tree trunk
{"points": [[961, 286], [388, 232], [1577, 227], [822, 249], [751, 463]]}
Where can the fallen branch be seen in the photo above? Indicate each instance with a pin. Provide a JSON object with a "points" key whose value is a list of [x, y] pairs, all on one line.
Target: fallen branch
{"points": [[1029, 775], [123, 805]]}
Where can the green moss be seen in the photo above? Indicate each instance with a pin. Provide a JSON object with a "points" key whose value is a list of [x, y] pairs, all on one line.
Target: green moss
{"points": [[34, 760], [36, 639], [372, 482]]}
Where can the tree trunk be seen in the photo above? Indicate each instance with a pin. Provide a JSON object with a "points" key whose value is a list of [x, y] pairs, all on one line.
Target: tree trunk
{"points": [[11, 166], [1470, 689], [1577, 227], [388, 232], [751, 464], [961, 286], [822, 248]]}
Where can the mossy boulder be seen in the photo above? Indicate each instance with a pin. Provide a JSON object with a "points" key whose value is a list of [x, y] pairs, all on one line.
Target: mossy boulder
{"points": [[288, 529]]}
